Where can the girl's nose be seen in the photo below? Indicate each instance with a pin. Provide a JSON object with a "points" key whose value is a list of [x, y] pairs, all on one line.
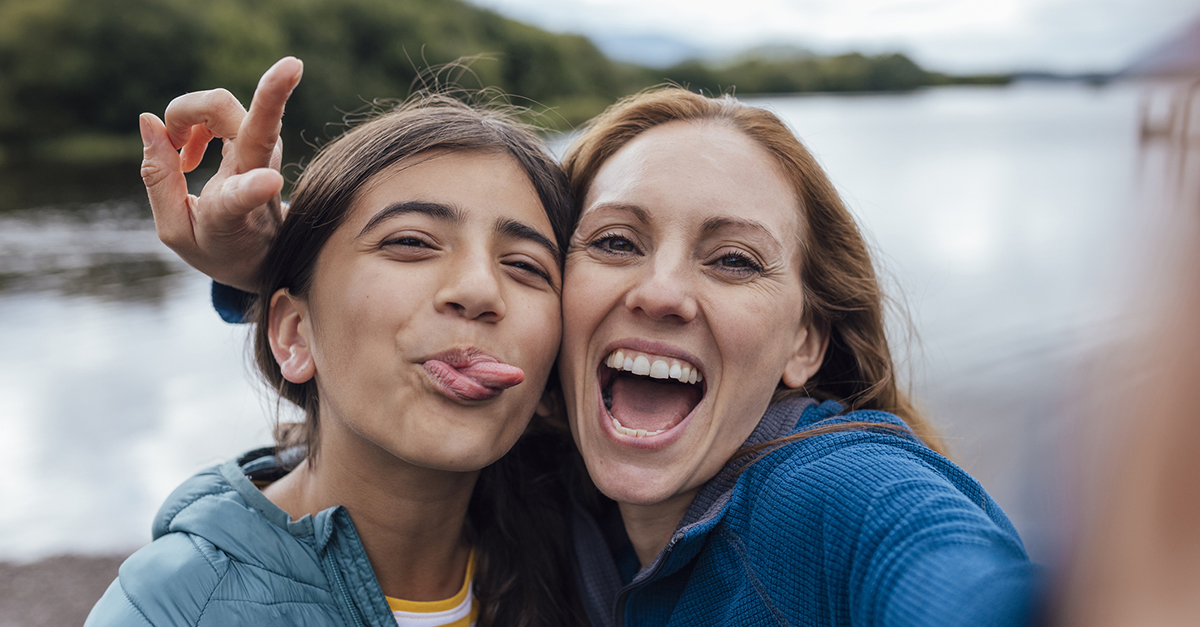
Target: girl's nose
{"points": [[472, 289]]}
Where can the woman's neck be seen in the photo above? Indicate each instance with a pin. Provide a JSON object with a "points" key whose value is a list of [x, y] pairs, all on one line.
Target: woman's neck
{"points": [[411, 519], [649, 527]]}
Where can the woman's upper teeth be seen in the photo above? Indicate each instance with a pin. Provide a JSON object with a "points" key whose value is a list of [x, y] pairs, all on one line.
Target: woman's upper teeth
{"points": [[653, 366]]}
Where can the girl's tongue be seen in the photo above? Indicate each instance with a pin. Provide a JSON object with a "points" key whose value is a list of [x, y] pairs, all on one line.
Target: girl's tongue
{"points": [[650, 404], [476, 381]]}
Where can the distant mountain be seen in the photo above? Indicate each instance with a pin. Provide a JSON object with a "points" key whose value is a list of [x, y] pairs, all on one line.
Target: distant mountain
{"points": [[662, 51], [654, 51], [775, 52], [1177, 57]]}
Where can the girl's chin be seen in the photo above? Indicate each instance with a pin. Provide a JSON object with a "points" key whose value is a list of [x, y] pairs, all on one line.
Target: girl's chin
{"points": [[464, 452]]}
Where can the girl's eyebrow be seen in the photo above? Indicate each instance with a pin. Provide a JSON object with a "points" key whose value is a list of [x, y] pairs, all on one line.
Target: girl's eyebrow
{"points": [[455, 215], [437, 211], [520, 230]]}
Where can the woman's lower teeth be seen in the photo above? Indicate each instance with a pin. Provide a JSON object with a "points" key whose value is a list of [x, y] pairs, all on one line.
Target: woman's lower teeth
{"points": [[637, 433]]}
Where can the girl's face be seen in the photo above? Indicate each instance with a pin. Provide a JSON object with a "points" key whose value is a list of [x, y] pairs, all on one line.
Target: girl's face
{"points": [[433, 318], [683, 309]]}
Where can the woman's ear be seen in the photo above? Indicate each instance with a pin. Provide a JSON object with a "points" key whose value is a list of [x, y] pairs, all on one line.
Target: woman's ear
{"points": [[288, 333], [807, 357]]}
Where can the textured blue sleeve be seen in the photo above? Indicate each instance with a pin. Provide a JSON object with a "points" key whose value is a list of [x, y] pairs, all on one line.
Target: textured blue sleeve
{"points": [[928, 555], [902, 537], [232, 304]]}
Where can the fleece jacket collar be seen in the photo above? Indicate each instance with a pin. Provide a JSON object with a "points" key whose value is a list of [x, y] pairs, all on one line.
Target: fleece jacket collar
{"points": [[595, 569]]}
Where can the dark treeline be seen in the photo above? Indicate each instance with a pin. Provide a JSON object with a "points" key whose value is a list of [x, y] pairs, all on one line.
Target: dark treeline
{"points": [[801, 73], [91, 66], [74, 74]]}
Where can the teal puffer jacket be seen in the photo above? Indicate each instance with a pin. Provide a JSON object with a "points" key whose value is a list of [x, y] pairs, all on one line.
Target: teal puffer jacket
{"points": [[223, 554]]}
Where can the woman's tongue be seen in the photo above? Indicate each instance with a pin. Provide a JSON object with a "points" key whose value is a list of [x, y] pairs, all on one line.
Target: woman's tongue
{"points": [[651, 404]]}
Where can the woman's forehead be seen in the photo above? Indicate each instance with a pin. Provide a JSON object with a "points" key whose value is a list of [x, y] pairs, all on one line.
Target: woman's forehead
{"points": [[706, 167]]}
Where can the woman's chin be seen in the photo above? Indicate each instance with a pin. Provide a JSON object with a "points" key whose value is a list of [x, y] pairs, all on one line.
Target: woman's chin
{"points": [[635, 485]]}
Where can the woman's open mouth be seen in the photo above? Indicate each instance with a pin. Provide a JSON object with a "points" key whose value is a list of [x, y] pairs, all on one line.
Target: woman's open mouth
{"points": [[647, 395]]}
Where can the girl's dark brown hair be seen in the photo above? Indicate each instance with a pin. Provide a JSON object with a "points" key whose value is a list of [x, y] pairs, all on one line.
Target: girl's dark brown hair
{"points": [[516, 519], [841, 292]]}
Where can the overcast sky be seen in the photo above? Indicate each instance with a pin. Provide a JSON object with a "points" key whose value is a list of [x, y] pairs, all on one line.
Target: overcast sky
{"points": [[946, 35]]}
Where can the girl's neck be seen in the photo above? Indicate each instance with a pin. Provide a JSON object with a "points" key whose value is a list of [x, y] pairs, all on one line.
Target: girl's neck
{"points": [[649, 527], [410, 519]]}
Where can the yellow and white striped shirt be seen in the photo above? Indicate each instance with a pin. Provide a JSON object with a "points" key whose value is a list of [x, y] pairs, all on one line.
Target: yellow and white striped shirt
{"points": [[459, 610]]}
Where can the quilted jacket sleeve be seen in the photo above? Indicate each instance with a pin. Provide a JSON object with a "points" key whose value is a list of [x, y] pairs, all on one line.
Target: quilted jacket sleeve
{"points": [[167, 583]]}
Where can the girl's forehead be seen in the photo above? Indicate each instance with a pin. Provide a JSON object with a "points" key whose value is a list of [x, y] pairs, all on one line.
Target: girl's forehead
{"points": [[487, 185]]}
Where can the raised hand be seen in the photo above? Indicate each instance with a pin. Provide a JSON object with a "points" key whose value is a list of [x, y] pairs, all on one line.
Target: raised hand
{"points": [[226, 231]]}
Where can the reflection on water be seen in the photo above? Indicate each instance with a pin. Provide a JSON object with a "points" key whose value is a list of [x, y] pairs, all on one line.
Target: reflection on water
{"points": [[121, 277], [91, 251], [1003, 218], [116, 380]]}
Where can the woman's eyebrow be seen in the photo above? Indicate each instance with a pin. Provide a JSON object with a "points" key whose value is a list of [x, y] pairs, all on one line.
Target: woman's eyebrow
{"points": [[437, 211], [520, 230], [712, 225], [639, 213]]}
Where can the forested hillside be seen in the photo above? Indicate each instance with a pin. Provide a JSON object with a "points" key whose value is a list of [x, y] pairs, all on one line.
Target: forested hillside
{"points": [[72, 66]]}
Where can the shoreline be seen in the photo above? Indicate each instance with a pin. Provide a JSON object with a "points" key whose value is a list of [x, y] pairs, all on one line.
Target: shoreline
{"points": [[56, 590]]}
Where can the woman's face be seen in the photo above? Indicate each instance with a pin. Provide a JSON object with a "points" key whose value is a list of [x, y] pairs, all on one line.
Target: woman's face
{"points": [[685, 260], [433, 318]]}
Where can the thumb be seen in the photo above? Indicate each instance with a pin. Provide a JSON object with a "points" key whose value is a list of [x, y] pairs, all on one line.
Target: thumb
{"points": [[242, 193], [165, 182]]}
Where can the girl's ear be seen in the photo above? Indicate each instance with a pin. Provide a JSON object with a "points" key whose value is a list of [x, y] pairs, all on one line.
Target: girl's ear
{"points": [[806, 359], [288, 334]]}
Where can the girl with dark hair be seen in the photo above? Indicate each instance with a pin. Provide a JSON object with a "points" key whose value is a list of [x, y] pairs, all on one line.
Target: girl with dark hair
{"points": [[410, 307]]}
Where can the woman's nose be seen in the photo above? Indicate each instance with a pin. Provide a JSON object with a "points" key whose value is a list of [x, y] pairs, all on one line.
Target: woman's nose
{"points": [[472, 289], [664, 290]]}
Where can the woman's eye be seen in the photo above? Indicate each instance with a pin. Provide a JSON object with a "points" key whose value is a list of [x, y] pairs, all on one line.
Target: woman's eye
{"points": [[614, 244], [738, 262]]}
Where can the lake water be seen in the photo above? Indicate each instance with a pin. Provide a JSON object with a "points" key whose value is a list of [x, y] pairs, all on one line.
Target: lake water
{"points": [[1005, 219]]}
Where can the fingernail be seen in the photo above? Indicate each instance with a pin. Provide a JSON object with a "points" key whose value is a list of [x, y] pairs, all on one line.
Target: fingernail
{"points": [[144, 126]]}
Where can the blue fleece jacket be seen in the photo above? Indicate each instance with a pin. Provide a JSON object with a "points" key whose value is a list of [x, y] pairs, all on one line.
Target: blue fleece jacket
{"points": [[864, 528]]}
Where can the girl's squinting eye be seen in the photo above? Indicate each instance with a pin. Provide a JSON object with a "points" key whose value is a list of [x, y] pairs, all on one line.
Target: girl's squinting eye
{"points": [[613, 244], [530, 268], [406, 240]]}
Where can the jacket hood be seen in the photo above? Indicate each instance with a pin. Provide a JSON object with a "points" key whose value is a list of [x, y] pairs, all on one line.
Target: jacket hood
{"points": [[222, 505]]}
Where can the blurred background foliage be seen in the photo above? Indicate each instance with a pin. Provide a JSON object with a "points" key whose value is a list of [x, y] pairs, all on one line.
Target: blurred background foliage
{"points": [[74, 74]]}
